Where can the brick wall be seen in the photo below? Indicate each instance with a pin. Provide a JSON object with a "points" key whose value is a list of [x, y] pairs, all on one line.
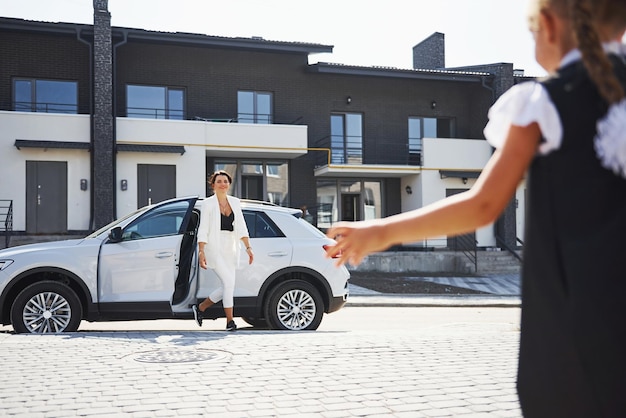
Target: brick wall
{"points": [[32, 55]]}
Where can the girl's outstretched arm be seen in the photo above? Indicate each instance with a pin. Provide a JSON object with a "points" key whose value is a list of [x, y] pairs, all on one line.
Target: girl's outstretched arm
{"points": [[458, 214]]}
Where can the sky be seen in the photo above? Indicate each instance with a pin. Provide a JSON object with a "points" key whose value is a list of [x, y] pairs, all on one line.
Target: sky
{"points": [[362, 32]]}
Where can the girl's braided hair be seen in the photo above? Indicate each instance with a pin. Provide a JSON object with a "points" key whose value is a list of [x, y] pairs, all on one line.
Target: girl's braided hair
{"points": [[585, 16]]}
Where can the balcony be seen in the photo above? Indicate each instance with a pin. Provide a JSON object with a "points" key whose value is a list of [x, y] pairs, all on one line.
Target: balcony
{"points": [[374, 159], [217, 137]]}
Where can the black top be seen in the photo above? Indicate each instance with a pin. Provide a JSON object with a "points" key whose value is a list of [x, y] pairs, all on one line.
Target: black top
{"points": [[227, 222], [573, 340]]}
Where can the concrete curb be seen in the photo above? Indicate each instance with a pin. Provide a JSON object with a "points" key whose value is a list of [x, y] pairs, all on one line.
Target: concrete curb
{"points": [[408, 300]]}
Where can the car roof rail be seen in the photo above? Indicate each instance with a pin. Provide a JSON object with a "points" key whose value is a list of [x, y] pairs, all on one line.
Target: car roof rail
{"points": [[259, 202]]}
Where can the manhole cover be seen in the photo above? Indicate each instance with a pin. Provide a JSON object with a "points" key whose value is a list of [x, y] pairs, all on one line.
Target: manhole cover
{"points": [[179, 356]]}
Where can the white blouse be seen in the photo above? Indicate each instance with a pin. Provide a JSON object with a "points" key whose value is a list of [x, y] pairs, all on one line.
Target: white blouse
{"points": [[529, 102]]}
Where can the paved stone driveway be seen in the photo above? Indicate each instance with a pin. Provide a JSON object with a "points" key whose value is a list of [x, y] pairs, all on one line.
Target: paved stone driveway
{"points": [[452, 370]]}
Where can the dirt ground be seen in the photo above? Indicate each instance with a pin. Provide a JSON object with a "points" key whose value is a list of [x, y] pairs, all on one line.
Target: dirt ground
{"points": [[409, 283]]}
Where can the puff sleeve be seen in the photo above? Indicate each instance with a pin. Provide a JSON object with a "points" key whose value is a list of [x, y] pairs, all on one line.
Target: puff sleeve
{"points": [[522, 105]]}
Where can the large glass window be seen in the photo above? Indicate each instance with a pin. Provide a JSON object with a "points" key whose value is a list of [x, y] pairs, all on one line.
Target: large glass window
{"points": [[327, 207], [48, 96], [276, 177], [258, 180], [347, 200], [372, 200], [154, 102], [254, 107], [346, 138], [420, 128]]}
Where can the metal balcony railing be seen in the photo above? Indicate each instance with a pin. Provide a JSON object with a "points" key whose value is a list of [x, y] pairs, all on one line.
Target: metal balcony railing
{"points": [[6, 217], [352, 152], [39, 107]]}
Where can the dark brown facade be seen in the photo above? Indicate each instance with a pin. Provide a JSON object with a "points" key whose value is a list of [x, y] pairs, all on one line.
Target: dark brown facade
{"points": [[211, 71]]}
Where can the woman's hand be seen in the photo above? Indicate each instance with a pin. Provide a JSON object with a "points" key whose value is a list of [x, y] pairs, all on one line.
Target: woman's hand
{"points": [[202, 260], [250, 255]]}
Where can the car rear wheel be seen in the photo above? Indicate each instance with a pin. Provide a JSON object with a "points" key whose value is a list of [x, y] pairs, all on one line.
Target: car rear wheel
{"points": [[46, 308], [294, 305]]}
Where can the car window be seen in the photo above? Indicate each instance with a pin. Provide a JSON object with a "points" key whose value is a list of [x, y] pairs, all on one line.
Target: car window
{"points": [[260, 226], [161, 221]]}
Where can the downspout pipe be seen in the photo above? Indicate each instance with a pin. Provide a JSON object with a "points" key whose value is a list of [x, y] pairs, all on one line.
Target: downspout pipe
{"points": [[79, 37], [114, 77]]}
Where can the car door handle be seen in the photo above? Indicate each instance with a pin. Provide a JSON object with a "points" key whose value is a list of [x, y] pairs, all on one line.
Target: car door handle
{"points": [[278, 254], [164, 255]]}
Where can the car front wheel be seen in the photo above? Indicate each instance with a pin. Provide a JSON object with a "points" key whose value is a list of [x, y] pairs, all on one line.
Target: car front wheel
{"points": [[294, 305], [45, 308]]}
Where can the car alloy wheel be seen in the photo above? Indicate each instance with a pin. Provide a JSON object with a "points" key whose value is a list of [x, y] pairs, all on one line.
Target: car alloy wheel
{"points": [[295, 305], [46, 308]]}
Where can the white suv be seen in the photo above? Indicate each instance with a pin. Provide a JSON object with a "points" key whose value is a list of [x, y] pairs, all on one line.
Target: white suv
{"points": [[145, 266]]}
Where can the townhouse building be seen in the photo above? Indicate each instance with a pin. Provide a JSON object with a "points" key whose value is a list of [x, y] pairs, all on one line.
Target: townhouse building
{"points": [[98, 121]]}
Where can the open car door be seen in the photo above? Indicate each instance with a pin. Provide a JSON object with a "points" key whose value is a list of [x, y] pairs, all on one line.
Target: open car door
{"points": [[140, 272]]}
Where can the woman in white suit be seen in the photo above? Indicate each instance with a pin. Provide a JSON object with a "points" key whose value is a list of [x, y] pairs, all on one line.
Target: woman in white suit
{"points": [[221, 228]]}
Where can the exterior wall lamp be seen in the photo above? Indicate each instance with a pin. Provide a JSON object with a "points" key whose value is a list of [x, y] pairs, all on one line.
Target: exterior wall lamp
{"points": [[348, 100], [408, 190], [433, 105]]}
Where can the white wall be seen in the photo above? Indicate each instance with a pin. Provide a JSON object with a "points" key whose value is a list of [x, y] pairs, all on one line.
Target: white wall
{"points": [[447, 154], [44, 127], [197, 137], [190, 167]]}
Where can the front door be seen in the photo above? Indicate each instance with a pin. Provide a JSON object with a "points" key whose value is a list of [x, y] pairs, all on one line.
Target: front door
{"points": [[350, 207], [460, 242], [156, 183], [252, 187], [46, 197]]}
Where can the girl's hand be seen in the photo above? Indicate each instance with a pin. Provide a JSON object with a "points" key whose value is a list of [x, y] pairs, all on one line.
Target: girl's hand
{"points": [[355, 240], [250, 255]]}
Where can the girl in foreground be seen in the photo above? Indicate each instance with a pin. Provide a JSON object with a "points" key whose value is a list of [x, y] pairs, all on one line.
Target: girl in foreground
{"points": [[569, 133]]}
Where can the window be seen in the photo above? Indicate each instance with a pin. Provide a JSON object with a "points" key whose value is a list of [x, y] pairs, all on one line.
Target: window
{"points": [[154, 102], [346, 138], [347, 200], [48, 96], [277, 184], [258, 180], [254, 107], [162, 221], [372, 200], [415, 141], [420, 128], [260, 226]]}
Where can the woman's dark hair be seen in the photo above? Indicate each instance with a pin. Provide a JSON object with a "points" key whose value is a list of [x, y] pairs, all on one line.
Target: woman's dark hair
{"points": [[220, 173]]}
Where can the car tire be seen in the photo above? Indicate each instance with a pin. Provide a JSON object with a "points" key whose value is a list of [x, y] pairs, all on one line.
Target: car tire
{"points": [[294, 305], [255, 322], [46, 307]]}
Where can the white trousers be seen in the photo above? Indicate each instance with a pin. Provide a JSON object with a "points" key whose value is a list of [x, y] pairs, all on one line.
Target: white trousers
{"points": [[225, 267]]}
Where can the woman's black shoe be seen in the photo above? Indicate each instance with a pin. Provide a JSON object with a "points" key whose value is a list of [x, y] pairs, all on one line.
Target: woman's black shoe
{"points": [[197, 315]]}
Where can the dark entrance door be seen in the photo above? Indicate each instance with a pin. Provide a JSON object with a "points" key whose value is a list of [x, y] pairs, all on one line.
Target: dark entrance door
{"points": [[156, 183], [465, 241], [350, 207], [46, 197], [252, 187]]}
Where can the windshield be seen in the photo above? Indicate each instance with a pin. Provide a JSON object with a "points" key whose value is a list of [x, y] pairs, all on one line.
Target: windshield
{"points": [[113, 224]]}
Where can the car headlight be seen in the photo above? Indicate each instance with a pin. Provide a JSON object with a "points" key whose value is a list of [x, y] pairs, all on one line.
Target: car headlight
{"points": [[5, 263]]}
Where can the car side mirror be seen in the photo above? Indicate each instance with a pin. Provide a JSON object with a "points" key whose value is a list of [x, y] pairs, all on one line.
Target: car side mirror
{"points": [[115, 235]]}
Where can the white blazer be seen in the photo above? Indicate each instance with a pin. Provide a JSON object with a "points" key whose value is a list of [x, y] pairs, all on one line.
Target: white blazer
{"points": [[210, 226]]}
